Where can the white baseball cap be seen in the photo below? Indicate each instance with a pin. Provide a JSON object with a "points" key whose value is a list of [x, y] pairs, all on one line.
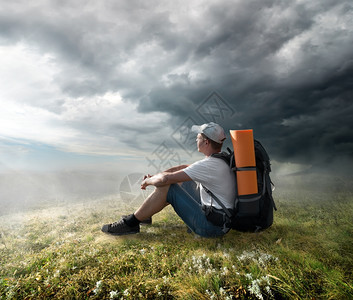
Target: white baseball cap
{"points": [[212, 130]]}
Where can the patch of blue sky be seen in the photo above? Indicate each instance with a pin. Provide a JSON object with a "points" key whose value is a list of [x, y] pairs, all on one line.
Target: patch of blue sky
{"points": [[26, 155]]}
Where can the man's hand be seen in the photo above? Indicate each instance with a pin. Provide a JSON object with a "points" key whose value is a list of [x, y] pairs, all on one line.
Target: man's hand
{"points": [[156, 180], [147, 176], [164, 178], [144, 184]]}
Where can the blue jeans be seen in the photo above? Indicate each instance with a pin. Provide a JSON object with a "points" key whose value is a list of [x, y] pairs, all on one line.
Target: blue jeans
{"points": [[186, 202]]}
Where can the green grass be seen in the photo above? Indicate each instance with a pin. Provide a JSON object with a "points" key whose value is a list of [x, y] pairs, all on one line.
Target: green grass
{"points": [[61, 253]]}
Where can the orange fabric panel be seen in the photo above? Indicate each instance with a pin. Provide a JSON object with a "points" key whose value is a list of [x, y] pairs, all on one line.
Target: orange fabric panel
{"points": [[243, 145], [244, 155], [247, 182]]}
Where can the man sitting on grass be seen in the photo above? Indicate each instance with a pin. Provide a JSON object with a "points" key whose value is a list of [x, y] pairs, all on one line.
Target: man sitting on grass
{"points": [[184, 188]]}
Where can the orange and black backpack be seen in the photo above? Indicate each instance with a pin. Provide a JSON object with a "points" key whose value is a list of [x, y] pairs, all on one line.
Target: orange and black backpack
{"points": [[253, 211]]}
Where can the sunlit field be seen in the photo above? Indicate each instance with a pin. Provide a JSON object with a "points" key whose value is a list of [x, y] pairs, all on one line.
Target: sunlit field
{"points": [[60, 252]]}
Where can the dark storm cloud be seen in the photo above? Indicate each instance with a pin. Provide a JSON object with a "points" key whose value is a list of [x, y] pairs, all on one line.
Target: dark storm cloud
{"points": [[285, 67], [301, 105]]}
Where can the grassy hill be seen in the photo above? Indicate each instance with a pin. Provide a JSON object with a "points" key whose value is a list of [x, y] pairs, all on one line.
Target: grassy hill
{"points": [[59, 252]]}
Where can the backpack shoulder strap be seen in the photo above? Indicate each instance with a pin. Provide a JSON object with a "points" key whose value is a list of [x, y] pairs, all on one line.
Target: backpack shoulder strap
{"points": [[226, 157], [213, 196]]}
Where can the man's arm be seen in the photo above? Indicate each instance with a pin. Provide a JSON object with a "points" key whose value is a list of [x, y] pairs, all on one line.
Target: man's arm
{"points": [[165, 178], [177, 168], [170, 170]]}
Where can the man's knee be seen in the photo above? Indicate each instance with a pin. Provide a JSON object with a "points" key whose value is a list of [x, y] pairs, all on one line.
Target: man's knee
{"points": [[161, 191]]}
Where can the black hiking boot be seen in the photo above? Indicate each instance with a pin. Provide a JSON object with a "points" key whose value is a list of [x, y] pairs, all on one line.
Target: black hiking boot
{"points": [[120, 228], [148, 221]]}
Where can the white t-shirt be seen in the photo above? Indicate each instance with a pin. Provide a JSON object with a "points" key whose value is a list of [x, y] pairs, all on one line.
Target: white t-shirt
{"points": [[217, 177]]}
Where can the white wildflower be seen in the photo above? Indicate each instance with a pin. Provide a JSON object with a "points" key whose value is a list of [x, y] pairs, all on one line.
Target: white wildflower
{"points": [[47, 281], [255, 289], [126, 292], [98, 287], [265, 279], [99, 284], [212, 295], [224, 294], [226, 255], [258, 285], [210, 271], [225, 271], [268, 289], [260, 258], [248, 276], [113, 294], [57, 273]]}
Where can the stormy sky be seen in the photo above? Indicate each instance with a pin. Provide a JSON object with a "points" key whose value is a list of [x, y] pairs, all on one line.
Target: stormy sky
{"points": [[109, 83]]}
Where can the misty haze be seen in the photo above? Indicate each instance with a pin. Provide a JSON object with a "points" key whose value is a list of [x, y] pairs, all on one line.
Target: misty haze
{"points": [[22, 191]]}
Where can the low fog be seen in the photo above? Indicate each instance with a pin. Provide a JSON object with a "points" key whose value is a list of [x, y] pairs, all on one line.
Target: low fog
{"points": [[24, 191]]}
